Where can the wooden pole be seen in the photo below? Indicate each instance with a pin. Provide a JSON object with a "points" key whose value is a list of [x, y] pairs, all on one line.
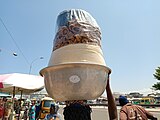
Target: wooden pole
{"points": [[12, 108], [21, 94]]}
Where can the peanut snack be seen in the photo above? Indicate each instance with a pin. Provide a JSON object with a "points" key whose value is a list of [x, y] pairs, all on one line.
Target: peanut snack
{"points": [[77, 32]]}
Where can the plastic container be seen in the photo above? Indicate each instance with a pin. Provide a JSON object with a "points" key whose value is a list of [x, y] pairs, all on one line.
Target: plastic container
{"points": [[75, 81], [77, 69]]}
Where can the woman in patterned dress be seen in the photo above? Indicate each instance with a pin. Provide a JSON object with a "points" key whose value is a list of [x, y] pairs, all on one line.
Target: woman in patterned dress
{"points": [[32, 111]]}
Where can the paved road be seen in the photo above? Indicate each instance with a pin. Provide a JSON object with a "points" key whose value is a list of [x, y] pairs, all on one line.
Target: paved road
{"points": [[101, 113]]}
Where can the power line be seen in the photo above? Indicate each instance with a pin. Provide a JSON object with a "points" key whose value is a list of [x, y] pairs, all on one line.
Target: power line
{"points": [[14, 40]]}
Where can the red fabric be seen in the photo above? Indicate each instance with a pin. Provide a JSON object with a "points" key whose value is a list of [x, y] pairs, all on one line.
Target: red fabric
{"points": [[1, 85], [2, 78], [1, 110]]}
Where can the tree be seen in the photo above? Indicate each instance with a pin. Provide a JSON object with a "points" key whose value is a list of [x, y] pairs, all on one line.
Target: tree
{"points": [[157, 76]]}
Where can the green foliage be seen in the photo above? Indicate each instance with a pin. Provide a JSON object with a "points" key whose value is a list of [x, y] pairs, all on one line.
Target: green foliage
{"points": [[157, 73], [157, 76], [156, 86]]}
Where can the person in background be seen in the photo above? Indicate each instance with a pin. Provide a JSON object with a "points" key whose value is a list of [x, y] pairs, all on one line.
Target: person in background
{"points": [[18, 109], [53, 115], [32, 111], [130, 111], [38, 107], [26, 111], [1, 109], [4, 102], [7, 109]]}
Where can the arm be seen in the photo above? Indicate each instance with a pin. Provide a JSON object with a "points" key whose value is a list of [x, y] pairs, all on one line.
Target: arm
{"points": [[150, 116], [112, 109]]}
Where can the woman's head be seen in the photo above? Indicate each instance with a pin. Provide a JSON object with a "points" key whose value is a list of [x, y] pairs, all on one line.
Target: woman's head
{"points": [[33, 102], [77, 111]]}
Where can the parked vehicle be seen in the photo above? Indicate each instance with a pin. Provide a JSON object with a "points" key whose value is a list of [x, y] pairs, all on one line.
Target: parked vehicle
{"points": [[45, 106], [147, 100], [135, 100]]}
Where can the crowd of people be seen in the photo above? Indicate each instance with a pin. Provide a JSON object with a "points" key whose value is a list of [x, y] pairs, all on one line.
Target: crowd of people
{"points": [[31, 110], [73, 111], [5, 109], [8, 110]]}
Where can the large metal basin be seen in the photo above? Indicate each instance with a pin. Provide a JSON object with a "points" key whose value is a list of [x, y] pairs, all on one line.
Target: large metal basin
{"points": [[75, 81]]}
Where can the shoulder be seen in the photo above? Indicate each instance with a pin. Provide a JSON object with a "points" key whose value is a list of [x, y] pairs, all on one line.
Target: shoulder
{"points": [[125, 107], [128, 108], [123, 113], [139, 107]]}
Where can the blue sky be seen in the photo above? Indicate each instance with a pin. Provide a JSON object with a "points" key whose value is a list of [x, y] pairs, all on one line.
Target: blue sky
{"points": [[130, 37]]}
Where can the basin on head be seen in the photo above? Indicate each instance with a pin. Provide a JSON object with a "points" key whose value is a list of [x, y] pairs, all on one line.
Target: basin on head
{"points": [[77, 81]]}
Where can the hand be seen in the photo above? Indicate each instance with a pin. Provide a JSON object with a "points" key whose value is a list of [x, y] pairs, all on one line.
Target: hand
{"points": [[108, 77], [107, 86], [154, 118], [109, 72]]}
